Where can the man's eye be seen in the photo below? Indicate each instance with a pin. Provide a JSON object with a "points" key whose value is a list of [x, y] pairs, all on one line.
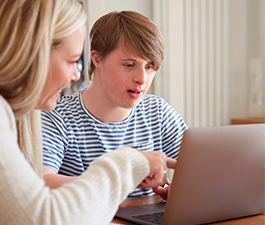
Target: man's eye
{"points": [[149, 67], [129, 65]]}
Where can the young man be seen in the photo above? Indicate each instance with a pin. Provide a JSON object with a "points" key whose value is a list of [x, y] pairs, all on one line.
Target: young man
{"points": [[127, 49]]}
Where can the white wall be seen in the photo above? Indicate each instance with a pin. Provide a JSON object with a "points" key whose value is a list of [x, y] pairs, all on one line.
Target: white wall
{"points": [[98, 8], [246, 43], [238, 58]]}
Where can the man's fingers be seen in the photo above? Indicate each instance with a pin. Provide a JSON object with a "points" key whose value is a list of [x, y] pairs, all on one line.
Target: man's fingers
{"points": [[171, 163]]}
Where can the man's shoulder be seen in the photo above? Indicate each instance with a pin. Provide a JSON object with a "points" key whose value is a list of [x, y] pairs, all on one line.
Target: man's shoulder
{"points": [[68, 100], [65, 106], [152, 99]]}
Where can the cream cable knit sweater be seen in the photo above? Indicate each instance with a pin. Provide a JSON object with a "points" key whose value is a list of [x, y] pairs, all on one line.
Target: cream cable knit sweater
{"points": [[93, 198]]}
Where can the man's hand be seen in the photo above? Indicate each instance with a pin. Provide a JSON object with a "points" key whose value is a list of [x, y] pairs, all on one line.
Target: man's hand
{"points": [[163, 191]]}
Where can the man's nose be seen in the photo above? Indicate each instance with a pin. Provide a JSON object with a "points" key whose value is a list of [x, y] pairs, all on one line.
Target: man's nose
{"points": [[140, 76]]}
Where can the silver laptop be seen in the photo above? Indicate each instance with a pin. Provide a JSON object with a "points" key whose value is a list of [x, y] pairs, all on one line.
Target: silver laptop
{"points": [[219, 176]]}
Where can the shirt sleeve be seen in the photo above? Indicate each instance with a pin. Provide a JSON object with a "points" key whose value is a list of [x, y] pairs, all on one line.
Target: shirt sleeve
{"points": [[55, 139], [173, 127]]}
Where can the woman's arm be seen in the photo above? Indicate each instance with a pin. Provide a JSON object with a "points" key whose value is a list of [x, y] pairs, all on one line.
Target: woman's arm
{"points": [[54, 180], [92, 198]]}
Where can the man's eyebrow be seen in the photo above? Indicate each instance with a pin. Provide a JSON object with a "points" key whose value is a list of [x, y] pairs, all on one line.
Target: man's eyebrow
{"points": [[134, 60], [128, 59]]}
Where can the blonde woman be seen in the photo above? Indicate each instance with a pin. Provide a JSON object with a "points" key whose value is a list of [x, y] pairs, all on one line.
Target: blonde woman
{"points": [[40, 43]]}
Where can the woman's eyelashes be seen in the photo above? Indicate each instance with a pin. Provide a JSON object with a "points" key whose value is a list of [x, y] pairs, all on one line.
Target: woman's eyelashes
{"points": [[76, 61]]}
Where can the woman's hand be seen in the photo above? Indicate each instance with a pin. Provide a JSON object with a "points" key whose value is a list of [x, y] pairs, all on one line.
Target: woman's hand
{"points": [[157, 178]]}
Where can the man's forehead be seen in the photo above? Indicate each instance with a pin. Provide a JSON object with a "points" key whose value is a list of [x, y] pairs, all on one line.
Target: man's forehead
{"points": [[130, 51]]}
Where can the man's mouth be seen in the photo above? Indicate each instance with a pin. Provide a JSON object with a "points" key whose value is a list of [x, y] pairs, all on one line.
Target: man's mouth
{"points": [[135, 92]]}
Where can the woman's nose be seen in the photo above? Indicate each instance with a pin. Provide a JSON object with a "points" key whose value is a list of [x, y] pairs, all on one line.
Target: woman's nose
{"points": [[77, 72], [75, 76]]}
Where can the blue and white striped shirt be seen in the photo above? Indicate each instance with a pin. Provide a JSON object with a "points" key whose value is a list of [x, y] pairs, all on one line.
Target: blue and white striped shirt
{"points": [[73, 137]]}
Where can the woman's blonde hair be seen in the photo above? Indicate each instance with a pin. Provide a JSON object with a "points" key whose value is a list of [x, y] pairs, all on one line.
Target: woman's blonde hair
{"points": [[30, 29], [134, 29]]}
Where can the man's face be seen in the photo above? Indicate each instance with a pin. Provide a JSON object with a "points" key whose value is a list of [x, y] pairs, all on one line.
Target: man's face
{"points": [[123, 76]]}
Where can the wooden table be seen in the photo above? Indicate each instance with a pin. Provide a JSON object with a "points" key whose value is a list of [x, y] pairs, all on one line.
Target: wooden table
{"points": [[252, 220], [249, 120]]}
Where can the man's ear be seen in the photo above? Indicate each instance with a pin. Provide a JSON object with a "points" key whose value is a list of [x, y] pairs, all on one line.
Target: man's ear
{"points": [[95, 58]]}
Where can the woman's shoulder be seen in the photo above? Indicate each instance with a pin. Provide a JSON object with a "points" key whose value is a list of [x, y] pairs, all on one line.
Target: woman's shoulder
{"points": [[5, 108], [7, 117]]}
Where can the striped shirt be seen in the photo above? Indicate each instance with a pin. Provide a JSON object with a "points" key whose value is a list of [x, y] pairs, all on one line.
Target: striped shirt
{"points": [[73, 137]]}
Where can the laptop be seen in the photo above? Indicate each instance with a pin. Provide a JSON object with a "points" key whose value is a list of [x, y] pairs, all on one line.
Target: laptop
{"points": [[219, 176]]}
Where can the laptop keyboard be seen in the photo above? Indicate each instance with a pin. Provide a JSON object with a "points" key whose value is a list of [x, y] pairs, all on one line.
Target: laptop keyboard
{"points": [[155, 218]]}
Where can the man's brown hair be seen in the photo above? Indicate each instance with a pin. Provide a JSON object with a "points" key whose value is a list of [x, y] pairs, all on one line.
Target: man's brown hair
{"points": [[134, 29]]}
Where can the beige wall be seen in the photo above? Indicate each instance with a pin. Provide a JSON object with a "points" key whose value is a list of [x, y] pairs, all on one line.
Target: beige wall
{"points": [[247, 44]]}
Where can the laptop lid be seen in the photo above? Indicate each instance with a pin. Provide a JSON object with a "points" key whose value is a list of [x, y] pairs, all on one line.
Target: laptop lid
{"points": [[219, 176]]}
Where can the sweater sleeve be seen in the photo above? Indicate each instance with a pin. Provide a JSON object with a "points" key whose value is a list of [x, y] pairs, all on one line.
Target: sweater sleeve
{"points": [[93, 198]]}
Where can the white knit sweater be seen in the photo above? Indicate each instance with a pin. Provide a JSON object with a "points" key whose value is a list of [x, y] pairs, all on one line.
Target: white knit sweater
{"points": [[93, 198]]}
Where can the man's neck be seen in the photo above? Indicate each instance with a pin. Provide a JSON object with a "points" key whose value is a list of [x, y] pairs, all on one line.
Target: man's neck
{"points": [[101, 108]]}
